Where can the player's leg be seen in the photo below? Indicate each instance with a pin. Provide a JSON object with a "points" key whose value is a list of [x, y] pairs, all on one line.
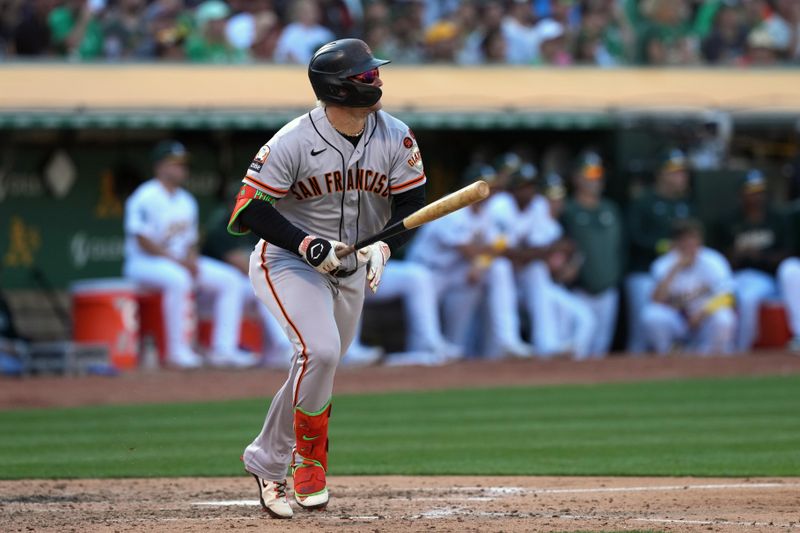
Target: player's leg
{"points": [[303, 303], [542, 310], [461, 301], [579, 319], [663, 326], [176, 285], [752, 286], [502, 301], [638, 288], [717, 334], [226, 285], [278, 348], [604, 308], [789, 280]]}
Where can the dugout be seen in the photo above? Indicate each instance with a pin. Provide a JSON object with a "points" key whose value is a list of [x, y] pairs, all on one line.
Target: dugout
{"points": [[71, 155]]}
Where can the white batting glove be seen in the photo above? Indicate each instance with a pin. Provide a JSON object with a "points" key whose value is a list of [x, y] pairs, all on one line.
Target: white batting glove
{"points": [[320, 253], [375, 256]]}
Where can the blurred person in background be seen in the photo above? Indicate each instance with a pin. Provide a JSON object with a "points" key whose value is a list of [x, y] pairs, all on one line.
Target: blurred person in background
{"points": [[599, 40], [31, 35], [161, 238], [465, 255], [783, 24], [692, 306], [726, 43], [553, 49], [664, 32], [125, 31], [442, 42], [561, 323], [650, 218], [345, 18], [596, 226], [209, 42], [242, 27], [301, 38], [762, 48], [521, 37], [76, 29], [235, 251], [789, 284], [483, 37], [755, 241]]}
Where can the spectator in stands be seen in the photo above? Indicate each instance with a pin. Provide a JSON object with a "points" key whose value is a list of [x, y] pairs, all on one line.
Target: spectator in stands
{"points": [[31, 36], [494, 49], [301, 38], [755, 241], [241, 28], [553, 49], [599, 40], [726, 43], [161, 237], [209, 43], [521, 36], [76, 29], [442, 42], [762, 48], [664, 32], [692, 304], [783, 24], [268, 31], [595, 225], [650, 219], [235, 251]]}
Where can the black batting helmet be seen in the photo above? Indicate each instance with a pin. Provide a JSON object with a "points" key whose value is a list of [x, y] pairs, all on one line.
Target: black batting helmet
{"points": [[332, 67]]}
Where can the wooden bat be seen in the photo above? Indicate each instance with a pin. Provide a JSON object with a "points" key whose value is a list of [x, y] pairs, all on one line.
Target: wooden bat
{"points": [[468, 195]]}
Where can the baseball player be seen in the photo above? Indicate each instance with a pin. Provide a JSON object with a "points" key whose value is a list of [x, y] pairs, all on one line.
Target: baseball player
{"points": [[756, 242], [789, 283], [650, 219], [466, 262], [337, 174], [561, 322], [692, 303], [161, 234], [425, 344]]}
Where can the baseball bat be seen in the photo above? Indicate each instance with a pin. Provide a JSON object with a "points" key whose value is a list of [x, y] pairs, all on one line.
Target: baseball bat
{"points": [[454, 201]]}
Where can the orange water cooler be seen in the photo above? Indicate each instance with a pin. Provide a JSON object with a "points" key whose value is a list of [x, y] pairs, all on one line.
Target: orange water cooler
{"points": [[105, 311]]}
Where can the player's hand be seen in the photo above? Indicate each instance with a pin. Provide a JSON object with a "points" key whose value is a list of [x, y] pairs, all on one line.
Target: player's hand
{"points": [[375, 256], [320, 253]]}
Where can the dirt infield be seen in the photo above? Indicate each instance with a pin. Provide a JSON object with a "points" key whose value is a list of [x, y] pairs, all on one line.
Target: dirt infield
{"points": [[396, 503], [390, 504]]}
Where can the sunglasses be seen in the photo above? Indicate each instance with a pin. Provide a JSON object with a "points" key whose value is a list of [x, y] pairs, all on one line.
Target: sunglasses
{"points": [[367, 77]]}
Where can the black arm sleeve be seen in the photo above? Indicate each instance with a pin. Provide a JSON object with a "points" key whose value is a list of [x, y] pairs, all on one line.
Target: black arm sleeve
{"points": [[265, 221], [403, 205]]}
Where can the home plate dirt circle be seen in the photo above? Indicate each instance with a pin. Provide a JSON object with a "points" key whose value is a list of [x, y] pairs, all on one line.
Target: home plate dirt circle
{"points": [[403, 503]]}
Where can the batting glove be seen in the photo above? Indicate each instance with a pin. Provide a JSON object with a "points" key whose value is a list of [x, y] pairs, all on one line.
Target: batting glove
{"points": [[320, 253], [375, 256]]}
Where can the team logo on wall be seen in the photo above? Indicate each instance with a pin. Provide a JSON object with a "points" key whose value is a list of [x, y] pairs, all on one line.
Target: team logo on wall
{"points": [[260, 159], [407, 142], [60, 174]]}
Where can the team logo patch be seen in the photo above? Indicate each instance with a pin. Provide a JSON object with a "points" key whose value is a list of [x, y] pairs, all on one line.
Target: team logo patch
{"points": [[407, 142], [415, 161], [260, 159]]}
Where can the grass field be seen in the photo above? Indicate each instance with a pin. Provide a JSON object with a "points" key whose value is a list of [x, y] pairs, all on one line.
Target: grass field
{"points": [[726, 427]]}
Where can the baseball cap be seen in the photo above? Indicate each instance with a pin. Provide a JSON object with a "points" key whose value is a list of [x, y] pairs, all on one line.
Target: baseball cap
{"points": [[590, 166], [673, 160], [525, 175], [211, 10], [169, 149], [554, 186], [754, 181]]}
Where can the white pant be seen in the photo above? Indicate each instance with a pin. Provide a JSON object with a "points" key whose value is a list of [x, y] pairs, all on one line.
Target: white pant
{"points": [[560, 320], [221, 280], [639, 287], [752, 287], [789, 281], [604, 308], [664, 326]]}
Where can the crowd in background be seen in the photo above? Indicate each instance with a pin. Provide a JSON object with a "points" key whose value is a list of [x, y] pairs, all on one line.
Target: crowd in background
{"points": [[603, 33]]}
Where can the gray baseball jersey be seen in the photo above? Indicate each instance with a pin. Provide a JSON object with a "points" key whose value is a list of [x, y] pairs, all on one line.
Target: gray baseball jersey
{"points": [[327, 187]]}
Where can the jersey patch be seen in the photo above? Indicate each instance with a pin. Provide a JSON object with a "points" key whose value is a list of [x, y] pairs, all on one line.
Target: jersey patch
{"points": [[260, 159], [407, 142], [415, 160]]}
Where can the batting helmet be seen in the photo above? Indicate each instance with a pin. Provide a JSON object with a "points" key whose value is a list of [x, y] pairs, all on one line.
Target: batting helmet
{"points": [[332, 68]]}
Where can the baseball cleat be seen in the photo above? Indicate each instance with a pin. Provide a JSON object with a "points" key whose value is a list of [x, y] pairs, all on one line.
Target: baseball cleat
{"points": [[272, 495], [310, 490]]}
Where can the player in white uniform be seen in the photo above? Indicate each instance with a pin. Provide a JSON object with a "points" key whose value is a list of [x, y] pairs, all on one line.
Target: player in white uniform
{"points": [[560, 321], [692, 303], [161, 233], [467, 266], [335, 175]]}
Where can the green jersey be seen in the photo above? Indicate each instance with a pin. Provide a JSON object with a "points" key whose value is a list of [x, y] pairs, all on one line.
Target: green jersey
{"points": [[650, 221]]}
